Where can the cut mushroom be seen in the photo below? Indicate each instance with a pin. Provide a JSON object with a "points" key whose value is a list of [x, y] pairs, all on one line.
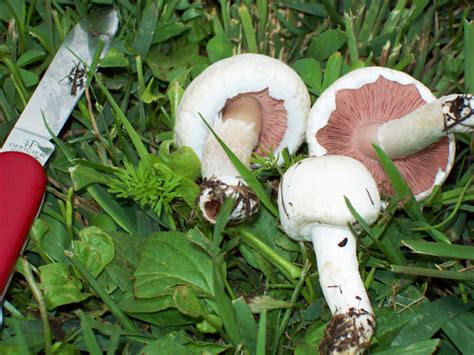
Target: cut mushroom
{"points": [[391, 109], [312, 208], [254, 103]]}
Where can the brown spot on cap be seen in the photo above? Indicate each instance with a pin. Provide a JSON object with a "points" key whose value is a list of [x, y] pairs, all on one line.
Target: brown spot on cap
{"points": [[376, 103]]}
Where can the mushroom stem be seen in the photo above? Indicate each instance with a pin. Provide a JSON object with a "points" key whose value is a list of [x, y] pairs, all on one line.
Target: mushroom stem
{"points": [[353, 321], [240, 130], [426, 125]]}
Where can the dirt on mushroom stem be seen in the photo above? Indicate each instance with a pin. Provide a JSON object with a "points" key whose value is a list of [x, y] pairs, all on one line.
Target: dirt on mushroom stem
{"points": [[344, 334]]}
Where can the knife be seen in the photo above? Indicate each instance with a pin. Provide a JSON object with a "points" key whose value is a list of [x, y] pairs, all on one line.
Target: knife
{"points": [[28, 146]]}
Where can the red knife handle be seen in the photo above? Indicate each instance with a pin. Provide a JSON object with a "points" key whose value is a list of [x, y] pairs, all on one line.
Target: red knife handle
{"points": [[22, 186]]}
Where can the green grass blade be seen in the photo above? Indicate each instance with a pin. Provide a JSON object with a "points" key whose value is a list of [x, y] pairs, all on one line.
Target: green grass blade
{"points": [[262, 334], [453, 212], [403, 192], [88, 334], [146, 28], [246, 323], [333, 70], [469, 56], [112, 208], [440, 274], [248, 29], [289, 269], [461, 331], [137, 142], [429, 319], [351, 39], [104, 296], [245, 173], [114, 340], [425, 347], [440, 249], [221, 221], [224, 305]]}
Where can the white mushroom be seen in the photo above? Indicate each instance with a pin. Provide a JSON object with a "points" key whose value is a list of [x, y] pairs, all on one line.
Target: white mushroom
{"points": [[312, 208], [397, 112], [253, 102]]}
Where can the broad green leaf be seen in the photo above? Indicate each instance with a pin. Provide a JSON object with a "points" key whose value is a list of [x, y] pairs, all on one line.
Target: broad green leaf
{"points": [[200, 347], [167, 318], [29, 57], [55, 240], [182, 160], [94, 248], [186, 301], [131, 304], [325, 44], [165, 347], [210, 325], [128, 249], [219, 47], [114, 59], [309, 70], [59, 286], [168, 260]]}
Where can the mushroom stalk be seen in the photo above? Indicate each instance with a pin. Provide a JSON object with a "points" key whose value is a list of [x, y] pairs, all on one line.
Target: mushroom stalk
{"points": [[422, 127], [353, 322], [239, 129]]}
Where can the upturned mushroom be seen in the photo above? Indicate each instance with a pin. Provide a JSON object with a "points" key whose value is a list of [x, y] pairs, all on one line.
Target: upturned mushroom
{"points": [[254, 103], [312, 208], [398, 113]]}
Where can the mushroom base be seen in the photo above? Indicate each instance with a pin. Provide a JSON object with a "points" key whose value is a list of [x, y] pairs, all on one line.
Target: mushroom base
{"points": [[214, 192], [347, 333], [353, 320]]}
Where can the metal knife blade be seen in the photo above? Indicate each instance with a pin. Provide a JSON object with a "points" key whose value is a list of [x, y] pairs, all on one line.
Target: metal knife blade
{"points": [[22, 178], [61, 86]]}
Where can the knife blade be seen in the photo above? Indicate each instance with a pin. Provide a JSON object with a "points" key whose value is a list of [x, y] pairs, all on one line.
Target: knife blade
{"points": [[28, 146]]}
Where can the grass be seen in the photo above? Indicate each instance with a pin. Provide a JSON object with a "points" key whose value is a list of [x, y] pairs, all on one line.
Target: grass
{"points": [[106, 273]]}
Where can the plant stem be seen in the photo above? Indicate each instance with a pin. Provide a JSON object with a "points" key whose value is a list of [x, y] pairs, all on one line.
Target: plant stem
{"points": [[288, 312], [291, 270], [41, 304]]}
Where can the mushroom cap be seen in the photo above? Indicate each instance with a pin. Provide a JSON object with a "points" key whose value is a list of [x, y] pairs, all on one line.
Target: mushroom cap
{"points": [[312, 191], [240, 74], [381, 95]]}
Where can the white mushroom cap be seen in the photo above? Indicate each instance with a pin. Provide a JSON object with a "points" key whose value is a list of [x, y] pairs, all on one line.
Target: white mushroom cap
{"points": [[324, 107], [312, 193], [243, 73]]}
